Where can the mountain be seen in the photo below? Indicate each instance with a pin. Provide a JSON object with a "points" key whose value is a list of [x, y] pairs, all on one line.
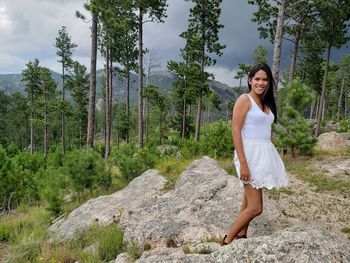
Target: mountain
{"points": [[163, 79]]}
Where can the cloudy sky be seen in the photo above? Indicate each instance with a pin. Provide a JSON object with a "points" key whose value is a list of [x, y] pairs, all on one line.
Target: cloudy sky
{"points": [[28, 29]]}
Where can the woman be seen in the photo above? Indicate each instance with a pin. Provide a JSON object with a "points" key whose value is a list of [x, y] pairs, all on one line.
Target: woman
{"points": [[257, 162]]}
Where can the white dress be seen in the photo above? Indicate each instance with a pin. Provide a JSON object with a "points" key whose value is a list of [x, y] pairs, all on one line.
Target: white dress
{"points": [[265, 164]]}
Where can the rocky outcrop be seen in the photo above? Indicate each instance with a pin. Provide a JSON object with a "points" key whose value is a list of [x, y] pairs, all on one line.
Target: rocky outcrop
{"points": [[189, 218], [203, 204], [330, 141], [295, 244]]}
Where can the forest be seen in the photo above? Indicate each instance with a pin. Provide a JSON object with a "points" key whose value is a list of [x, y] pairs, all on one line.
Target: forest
{"points": [[65, 141]]}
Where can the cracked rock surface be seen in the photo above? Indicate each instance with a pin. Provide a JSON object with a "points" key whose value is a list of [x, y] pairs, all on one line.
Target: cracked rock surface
{"points": [[202, 206]]}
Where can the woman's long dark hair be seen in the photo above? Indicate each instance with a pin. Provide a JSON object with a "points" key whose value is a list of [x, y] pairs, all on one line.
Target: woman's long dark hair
{"points": [[268, 98]]}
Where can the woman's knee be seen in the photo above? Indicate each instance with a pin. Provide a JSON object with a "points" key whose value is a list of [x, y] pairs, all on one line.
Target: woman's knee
{"points": [[255, 211]]}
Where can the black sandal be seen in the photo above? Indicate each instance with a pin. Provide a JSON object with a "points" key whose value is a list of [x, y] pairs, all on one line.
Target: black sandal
{"points": [[223, 243], [240, 236]]}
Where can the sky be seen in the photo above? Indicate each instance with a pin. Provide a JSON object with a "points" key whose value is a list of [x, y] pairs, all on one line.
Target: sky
{"points": [[28, 29]]}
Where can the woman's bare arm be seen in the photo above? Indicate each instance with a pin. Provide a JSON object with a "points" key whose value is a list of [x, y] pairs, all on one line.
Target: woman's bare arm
{"points": [[239, 114]]}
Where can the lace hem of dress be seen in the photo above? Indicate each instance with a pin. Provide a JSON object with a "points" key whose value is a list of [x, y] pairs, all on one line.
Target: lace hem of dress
{"points": [[258, 184]]}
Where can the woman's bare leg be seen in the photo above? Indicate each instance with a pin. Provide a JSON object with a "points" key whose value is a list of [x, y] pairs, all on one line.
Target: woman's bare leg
{"points": [[244, 204], [253, 209]]}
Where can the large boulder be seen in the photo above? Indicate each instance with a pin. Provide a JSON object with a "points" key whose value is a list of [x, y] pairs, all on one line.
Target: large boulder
{"points": [[330, 141], [296, 244], [203, 204], [200, 208]]}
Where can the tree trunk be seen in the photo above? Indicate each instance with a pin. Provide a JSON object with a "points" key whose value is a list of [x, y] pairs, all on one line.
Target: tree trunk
{"points": [[92, 91], [199, 99], [140, 88], [46, 147], [160, 127], [324, 88], [63, 109], [32, 124], [312, 110], [340, 97], [128, 106], [107, 112], [183, 119], [294, 58], [110, 110], [278, 42], [323, 108], [147, 121]]}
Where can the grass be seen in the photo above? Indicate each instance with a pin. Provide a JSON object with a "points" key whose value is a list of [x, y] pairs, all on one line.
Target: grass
{"points": [[26, 233], [321, 182], [228, 166], [275, 194], [346, 230], [171, 168]]}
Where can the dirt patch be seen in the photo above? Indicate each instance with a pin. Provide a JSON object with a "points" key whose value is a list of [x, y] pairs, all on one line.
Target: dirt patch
{"points": [[4, 252], [335, 166], [305, 203]]}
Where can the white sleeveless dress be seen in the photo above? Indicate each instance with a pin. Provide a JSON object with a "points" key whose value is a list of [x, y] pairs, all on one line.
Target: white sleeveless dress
{"points": [[265, 164]]}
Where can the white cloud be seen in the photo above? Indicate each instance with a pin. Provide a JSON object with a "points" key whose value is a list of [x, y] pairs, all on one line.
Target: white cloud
{"points": [[224, 75]]}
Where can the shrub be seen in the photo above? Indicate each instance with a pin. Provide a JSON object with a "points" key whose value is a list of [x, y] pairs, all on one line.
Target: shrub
{"points": [[86, 169], [132, 162], [110, 243], [216, 141]]}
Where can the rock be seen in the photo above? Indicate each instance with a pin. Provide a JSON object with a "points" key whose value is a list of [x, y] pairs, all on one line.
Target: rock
{"points": [[106, 209], [203, 204], [295, 244], [123, 258], [345, 135], [331, 126], [197, 211], [167, 149], [68, 198], [330, 141]]}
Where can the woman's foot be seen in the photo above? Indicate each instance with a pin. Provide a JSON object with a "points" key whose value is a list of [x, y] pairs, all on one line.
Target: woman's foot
{"points": [[240, 236], [223, 242]]}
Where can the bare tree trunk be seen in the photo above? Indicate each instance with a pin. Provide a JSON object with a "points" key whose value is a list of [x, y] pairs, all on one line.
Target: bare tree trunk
{"points": [[107, 105], [294, 58], [183, 119], [147, 121], [63, 109], [199, 99], [278, 42], [128, 106], [324, 88], [46, 140], [140, 90], [323, 108], [312, 110], [340, 97], [32, 125], [317, 107], [110, 108], [92, 91]]}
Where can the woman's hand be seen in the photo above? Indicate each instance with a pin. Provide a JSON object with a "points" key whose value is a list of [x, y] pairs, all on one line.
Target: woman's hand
{"points": [[244, 171]]}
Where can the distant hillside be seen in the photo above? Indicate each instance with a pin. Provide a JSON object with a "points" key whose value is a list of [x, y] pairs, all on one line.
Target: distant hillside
{"points": [[163, 79]]}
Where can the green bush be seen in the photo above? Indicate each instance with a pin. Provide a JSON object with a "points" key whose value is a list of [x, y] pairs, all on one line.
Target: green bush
{"points": [[86, 169], [110, 243], [344, 125], [215, 141], [132, 162]]}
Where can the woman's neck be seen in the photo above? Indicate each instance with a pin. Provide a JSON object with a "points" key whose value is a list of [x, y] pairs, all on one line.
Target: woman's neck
{"points": [[255, 96]]}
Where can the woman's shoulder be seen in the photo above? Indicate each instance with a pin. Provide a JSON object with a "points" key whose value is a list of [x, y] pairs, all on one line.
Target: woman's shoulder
{"points": [[243, 101]]}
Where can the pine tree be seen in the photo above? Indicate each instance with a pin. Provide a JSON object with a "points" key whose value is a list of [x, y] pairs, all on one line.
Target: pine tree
{"points": [[65, 51], [32, 77], [293, 132], [202, 40]]}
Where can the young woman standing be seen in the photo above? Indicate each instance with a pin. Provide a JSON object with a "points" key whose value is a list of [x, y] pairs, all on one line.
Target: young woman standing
{"points": [[257, 161]]}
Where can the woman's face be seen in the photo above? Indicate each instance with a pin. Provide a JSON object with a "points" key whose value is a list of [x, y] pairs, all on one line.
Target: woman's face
{"points": [[259, 82]]}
